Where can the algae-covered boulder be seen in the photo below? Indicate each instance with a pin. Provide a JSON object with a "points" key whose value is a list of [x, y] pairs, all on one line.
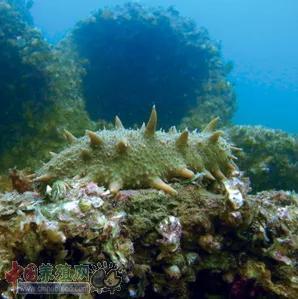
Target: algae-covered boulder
{"points": [[217, 98], [23, 7], [138, 56], [39, 92], [269, 157], [211, 239]]}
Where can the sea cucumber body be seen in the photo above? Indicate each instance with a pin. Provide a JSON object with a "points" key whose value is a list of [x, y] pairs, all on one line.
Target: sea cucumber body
{"points": [[127, 158]]}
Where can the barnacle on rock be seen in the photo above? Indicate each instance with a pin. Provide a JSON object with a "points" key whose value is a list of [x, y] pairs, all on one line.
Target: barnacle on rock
{"points": [[142, 158], [166, 248]]}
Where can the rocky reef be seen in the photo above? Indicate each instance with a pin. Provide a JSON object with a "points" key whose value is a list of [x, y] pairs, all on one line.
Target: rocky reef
{"points": [[268, 157], [170, 210], [200, 235], [217, 98], [153, 56], [23, 7], [211, 239], [39, 91]]}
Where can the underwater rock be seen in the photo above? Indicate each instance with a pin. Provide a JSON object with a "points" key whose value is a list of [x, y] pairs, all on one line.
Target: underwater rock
{"points": [[259, 255], [5, 183], [153, 56], [141, 158], [169, 244], [23, 7], [39, 91], [268, 157], [217, 98]]}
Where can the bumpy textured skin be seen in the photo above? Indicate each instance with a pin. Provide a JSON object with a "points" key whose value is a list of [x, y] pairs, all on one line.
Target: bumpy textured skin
{"points": [[142, 158]]}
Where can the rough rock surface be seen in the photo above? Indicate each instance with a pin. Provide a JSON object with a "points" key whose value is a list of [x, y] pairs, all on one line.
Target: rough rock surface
{"points": [[268, 157], [212, 239]]}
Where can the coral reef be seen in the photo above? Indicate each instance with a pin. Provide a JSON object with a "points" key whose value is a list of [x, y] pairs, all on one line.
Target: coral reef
{"points": [[152, 56], [269, 157], [127, 158], [39, 91]]}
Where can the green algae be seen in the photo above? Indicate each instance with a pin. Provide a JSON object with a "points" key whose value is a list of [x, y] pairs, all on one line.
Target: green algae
{"points": [[42, 89], [269, 157]]}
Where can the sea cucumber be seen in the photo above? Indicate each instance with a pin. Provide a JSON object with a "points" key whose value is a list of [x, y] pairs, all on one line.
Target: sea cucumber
{"points": [[142, 158]]}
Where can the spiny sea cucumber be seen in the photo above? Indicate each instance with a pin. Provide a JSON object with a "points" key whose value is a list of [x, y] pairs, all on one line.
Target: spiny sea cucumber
{"points": [[142, 158]]}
